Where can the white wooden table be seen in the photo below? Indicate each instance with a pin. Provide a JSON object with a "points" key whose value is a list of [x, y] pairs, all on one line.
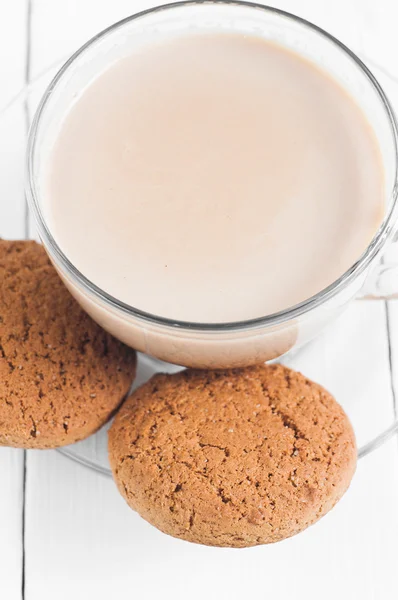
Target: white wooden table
{"points": [[65, 532]]}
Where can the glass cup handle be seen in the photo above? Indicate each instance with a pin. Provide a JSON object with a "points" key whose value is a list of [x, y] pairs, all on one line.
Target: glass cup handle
{"points": [[382, 281], [382, 284], [379, 440]]}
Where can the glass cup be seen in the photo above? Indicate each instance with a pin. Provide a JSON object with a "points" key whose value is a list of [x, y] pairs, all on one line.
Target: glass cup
{"points": [[235, 344]]}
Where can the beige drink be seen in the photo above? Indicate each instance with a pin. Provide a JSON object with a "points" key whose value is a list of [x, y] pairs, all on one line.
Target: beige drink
{"points": [[213, 178]]}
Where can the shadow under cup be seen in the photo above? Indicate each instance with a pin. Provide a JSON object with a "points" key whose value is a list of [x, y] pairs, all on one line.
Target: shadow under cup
{"points": [[224, 344]]}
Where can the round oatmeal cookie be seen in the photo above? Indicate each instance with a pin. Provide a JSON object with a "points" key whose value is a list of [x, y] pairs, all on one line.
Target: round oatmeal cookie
{"points": [[232, 458], [61, 375]]}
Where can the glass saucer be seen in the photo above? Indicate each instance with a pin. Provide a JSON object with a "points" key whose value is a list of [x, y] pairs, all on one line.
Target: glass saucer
{"points": [[92, 453]]}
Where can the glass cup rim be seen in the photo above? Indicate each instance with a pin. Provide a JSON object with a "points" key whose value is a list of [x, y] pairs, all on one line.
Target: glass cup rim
{"points": [[378, 241]]}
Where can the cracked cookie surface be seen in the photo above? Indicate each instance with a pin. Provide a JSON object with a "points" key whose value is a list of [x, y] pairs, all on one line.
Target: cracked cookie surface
{"points": [[61, 375], [232, 458]]}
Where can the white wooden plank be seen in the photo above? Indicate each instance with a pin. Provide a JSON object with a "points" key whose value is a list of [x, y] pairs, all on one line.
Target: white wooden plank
{"points": [[11, 508], [12, 121], [364, 25], [78, 519], [376, 24], [60, 28], [12, 148], [12, 135], [12, 48]]}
